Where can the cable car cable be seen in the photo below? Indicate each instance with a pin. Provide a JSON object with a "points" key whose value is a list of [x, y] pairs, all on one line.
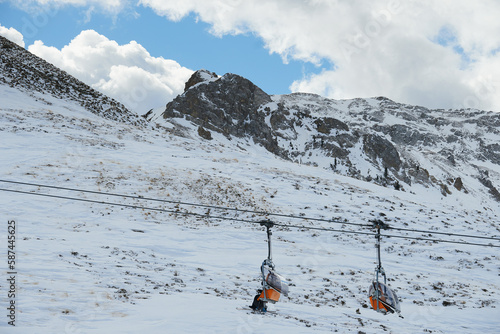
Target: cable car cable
{"points": [[239, 219], [245, 210], [184, 203]]}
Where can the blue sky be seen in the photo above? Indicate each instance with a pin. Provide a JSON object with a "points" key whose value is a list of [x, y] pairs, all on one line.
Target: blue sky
{"points": [[434, 54]]}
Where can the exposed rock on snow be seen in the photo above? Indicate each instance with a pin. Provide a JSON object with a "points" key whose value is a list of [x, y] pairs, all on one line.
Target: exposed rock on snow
{"points": [[373, 139], [228, 105], [199, 77]]}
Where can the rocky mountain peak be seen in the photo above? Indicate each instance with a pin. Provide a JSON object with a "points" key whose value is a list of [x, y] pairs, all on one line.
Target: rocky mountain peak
{"points": [[228, 105], [200, 76]]}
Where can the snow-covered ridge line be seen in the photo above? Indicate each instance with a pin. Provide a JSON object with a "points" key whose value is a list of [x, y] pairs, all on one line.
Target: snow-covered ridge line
{"points": [[21, 69]]}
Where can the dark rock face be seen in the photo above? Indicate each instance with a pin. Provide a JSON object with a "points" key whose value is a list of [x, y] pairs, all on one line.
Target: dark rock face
{"points": [[205, 134], [229, 105], [327, 124], [492, 152], [377, 147], [485, 180], [377, 139], [458, 184]]}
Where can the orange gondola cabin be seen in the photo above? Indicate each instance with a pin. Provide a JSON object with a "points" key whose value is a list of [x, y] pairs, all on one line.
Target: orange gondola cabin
{"points": [[275, 286], [382, 298]]}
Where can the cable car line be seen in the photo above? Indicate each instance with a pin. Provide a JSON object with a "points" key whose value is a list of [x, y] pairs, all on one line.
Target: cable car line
{"points": [[127, 205], [247, 211], [186, 203], [242, 220], [443, 233], [387, 235]]}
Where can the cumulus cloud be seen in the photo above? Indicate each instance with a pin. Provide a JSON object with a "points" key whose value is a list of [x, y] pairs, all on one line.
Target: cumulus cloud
{"points": [[13, 35], [436, 54], [127, 72]]}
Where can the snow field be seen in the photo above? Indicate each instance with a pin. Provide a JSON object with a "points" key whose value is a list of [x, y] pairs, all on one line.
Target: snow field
{"points": [[93, 268]]}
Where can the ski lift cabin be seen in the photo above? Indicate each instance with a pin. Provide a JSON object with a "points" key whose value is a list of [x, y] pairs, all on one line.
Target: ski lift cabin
{"points": [[273, 284], [382, 297]]}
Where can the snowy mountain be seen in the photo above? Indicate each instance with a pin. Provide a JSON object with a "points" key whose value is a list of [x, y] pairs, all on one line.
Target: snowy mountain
{"points": [[375, 140], [124, 227]]}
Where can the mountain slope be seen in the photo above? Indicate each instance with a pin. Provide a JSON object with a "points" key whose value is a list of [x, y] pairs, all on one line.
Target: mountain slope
{"points": [[136, 247], [23, 70], [376, 140]]}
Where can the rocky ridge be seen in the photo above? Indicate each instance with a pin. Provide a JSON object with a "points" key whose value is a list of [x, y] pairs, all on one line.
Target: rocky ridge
{"points": [[23, 70], [373, 139]]}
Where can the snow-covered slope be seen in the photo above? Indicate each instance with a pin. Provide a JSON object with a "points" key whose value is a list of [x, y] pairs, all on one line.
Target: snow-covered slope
{"points": [[94, 262], [89, 267]]}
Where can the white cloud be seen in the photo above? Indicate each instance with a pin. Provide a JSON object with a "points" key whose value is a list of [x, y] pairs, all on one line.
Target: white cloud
{"points": [[13, 35], [110, 6], [381, 47], [127, 72]]}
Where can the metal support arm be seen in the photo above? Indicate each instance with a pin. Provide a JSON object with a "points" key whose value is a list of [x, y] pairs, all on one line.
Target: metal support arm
{"points": [[268, 224]]}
